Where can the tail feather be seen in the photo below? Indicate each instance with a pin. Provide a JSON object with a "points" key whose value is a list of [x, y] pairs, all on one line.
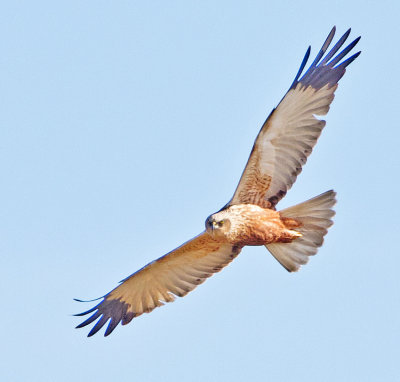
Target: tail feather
{"points": [[315, 218]]}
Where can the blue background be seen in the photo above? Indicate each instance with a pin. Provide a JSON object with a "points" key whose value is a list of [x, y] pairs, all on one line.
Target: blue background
{"points": [[125, 124]]}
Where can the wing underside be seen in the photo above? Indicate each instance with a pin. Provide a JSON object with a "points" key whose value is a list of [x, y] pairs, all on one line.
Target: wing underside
{"points": [[292, 129], [174, 274]]}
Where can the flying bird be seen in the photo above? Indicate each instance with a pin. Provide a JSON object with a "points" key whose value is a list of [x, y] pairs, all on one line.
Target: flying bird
{"points": [[291, 235]]}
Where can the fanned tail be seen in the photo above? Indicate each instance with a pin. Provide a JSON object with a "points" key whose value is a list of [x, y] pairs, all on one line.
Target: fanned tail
{"points": [[315, 218]]}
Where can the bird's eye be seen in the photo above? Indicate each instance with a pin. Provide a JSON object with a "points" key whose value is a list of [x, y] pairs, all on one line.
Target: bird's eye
{"points": [[221, 223]]}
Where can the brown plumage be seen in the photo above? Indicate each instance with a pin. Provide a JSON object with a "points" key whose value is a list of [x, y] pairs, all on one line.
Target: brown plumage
{"points": [[249, 224], [292, 235]]}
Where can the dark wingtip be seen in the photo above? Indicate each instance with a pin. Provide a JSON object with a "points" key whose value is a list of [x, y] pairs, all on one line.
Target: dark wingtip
{"points": [[99, 325], [330, 70], [330, 37], [357, 40], [348, 61], [335, 60], [303, 64], [337, 46], [108, 309], [95, 299], [88, 321], [88, 311], [127, 317], [111, 326]]}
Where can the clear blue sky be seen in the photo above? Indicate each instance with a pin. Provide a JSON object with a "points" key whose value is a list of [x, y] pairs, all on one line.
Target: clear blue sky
{"points": [[122, 122]]}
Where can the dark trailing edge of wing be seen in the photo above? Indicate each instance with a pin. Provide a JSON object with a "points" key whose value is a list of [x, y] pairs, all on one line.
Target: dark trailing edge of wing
{"points": [[330, 70], [114, 310]]}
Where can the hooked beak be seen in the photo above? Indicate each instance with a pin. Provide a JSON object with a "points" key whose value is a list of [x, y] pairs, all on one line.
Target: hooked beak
{"points": [[211, 226]]}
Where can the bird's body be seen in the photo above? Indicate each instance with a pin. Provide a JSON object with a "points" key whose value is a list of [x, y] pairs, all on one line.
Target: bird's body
{"points": [[292, 235], [249, 224]]}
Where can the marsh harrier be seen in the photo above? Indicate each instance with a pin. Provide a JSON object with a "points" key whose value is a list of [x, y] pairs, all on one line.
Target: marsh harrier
{"points": [[280, 150]]}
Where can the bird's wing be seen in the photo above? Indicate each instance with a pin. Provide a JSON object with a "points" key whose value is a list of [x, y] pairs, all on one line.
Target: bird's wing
{"points": [[175, 274], [290, 132]]}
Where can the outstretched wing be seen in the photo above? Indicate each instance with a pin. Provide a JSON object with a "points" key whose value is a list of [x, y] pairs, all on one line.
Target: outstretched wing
{"points": [[174, 274], [292, 129]]}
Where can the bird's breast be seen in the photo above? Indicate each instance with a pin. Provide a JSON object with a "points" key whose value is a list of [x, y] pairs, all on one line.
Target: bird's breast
{"points": [[257, 226]]}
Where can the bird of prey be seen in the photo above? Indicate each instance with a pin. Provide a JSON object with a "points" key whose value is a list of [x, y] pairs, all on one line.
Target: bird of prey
{"points": [[280, 150]]}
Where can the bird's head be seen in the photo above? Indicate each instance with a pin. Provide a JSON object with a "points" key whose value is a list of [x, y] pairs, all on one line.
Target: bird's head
{"points": [[218, 224]]}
